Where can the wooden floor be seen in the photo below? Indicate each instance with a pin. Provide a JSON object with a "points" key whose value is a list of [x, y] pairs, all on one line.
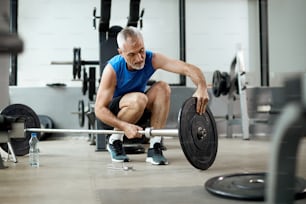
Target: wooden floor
{"points": [[71, 172]]}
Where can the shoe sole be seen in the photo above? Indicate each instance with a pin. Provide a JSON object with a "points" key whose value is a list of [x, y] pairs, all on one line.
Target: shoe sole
{"points": [[150, 160], [116, 160]]}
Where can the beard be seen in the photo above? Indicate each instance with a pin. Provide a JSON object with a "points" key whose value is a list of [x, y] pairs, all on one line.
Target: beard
{"points": [[138, 66]]}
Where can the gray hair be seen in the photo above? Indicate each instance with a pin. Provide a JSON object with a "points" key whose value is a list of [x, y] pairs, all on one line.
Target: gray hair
{"points": [[127, 32]]}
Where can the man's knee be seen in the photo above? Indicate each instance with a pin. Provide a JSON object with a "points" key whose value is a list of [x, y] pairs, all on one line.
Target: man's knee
{"points": [[135, 100], [163, 88]]}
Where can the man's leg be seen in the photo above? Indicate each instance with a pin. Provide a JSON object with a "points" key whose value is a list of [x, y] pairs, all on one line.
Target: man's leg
{"points": [[159, 105], [129, 108]]}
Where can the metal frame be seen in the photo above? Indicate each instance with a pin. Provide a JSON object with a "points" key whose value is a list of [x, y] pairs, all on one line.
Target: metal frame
{"points": [[264, 43], [13, 29], [182, 17], [238, 67]]}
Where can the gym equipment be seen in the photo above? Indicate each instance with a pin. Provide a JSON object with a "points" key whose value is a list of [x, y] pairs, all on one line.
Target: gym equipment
{"points": [[247, 186], [76, 63], [233, 84], [45, 122], [198, 135], [288, 133], [89, 83], [10, 43], [279, 185], [20, 111], [221, 83], [197, 132], [81, 113], [133, 17], [148, 132]]}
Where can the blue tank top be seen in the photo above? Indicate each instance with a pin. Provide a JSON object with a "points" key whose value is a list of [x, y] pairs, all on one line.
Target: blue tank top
{"points": [[131, 81]]}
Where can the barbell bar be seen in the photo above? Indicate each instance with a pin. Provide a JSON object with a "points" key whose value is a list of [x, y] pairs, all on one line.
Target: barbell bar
{"points": [[82, 62], [76, 63], [148, 132]]}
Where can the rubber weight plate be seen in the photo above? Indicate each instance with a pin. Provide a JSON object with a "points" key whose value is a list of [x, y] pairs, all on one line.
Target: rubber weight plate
{"points": [[217, 82], [21, 145], [198, 135], [81, 113], [221, 83], [246, 186]]}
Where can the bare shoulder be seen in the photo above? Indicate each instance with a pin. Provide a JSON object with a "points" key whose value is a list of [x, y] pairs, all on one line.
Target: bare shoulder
{"points": [[108, 71], [160, 60], [108, 75]]}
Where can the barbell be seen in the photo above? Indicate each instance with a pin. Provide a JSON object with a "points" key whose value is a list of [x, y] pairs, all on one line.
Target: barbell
{"points": [[148, 132], [197, 133], [76, 63]]}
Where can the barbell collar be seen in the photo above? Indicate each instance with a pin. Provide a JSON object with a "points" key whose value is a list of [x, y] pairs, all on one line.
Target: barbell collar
{"points": [[164, 132]]}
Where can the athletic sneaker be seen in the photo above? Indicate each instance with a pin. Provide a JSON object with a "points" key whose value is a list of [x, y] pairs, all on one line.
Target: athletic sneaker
{"points": [[117, 152], [155, 155]]}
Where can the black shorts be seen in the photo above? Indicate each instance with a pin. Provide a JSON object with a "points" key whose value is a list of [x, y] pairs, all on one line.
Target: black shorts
{"points": [[143, 122]]}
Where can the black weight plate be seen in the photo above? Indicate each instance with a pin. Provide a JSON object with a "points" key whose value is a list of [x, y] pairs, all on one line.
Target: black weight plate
{"points": [[21, 145], [227, 83], [198, 135], [221, 83], [78, 63], [74, 63], [92, 83], [85, 82], [45, 122], [246, 186], [216, 83], [81, 113]]}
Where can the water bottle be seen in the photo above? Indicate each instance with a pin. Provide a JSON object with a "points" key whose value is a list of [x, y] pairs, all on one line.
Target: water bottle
{"points": [[34, 150]]}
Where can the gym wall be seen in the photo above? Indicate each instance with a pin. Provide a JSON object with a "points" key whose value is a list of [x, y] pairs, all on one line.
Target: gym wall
{"points": [[51, 29], [287, 46], [214, 28]]}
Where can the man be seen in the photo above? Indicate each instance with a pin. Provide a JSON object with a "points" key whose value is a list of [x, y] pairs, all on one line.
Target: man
{"points": [[121, 97]]}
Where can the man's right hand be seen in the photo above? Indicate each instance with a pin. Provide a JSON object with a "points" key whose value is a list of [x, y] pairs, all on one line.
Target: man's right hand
{"points": [[131, 131]]}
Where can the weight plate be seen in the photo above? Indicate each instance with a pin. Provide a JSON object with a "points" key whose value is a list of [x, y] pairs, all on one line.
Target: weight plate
{"points": [[92, 83], [221, 83], [21, 145], [85, 82], [227, 83], [216, 83], [246, 186], [198, 135], [74, 63], [78, 63], [45, 122], [81, 113]]}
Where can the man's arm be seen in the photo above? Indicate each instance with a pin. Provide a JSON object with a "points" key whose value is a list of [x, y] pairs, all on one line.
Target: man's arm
{"points": [[104, 96], [193, 72]]}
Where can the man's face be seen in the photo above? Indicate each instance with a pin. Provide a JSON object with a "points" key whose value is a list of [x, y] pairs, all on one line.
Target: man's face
{"points": [[134, 53]]}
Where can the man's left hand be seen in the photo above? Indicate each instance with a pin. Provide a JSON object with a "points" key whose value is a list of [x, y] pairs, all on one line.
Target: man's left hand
{"points": [[202, 101]]}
